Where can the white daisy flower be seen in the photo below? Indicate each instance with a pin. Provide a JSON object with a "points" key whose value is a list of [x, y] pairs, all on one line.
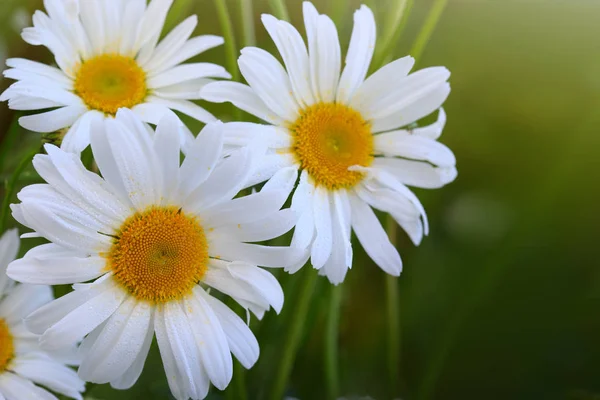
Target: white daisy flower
{"points": [[23, 364], [108, 57], [153, 234], [342, 132]]}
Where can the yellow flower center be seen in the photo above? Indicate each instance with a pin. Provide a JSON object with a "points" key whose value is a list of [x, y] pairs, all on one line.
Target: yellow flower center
{"points": [[159, 254], [7, 347], [109, 82], [329, 138]]}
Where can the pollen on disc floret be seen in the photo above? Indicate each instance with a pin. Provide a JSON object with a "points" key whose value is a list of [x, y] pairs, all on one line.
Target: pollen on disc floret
{"points": [[159, 254], [328, 138], [7, 347], [110, 81]]}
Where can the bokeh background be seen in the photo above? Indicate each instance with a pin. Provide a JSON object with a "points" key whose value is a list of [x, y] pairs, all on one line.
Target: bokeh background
{"points": [[502, 300]]}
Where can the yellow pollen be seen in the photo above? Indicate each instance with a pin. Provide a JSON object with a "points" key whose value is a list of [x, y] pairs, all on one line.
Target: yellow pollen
{"points": [[159, 254], [109, 82], [7, 347], [329, 138]]}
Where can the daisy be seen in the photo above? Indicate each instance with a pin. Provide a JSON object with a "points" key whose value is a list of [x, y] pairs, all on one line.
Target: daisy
{"points": [[153, 235], [23, 364], [108, 57], [341, 132]]}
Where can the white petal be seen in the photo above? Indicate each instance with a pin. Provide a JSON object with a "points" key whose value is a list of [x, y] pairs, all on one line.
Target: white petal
{"points": [[78, 136], [201, 158], [360, 52], [151, 25], [241, 340], [119, 343], [405, 144], [57, 270], [241, 96], [22, 300], [243, 133], [179, 381], [85, 189], [246, 284], [243, 210], [135, 160], [9, 247], [341, 252], [379, 83], [166, 145], [415, 173], [321, 247], [37, 68], [434, 130], [272, 226], [65, 232], [266, 256], [211, 339], [269, 165], [329, 59], [270, 82], [393, 96], [185, 349], [388, 180], [311, 22], [132, 374], [183, 106], [373, 238], [414, 111], [295, 56], [171, 44], [46, 371], [77, 319], [227, 178], [187, 72], [399, 207], [13, 387], [191, 48], [52, 120]]}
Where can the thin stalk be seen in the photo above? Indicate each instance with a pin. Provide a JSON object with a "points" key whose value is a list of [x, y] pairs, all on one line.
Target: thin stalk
{"points": [[294, 334], [431, 21], [279, 9], [9, 140], [247, 17], [392, 27], [393, 316], [237, 389], [231, 50], [10, 187], [332, 331]]}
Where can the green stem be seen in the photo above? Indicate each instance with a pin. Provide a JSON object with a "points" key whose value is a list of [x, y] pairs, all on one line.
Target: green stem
{"points": [[392, 29], [294, 333], [393, 317], [247, 17], [231, 51], [431, 21], [10, 188], [279, 9], [230, 45], [332, 343], [9, 140]]}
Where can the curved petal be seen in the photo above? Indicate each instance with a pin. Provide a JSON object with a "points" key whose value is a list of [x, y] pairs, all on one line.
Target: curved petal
{"points": [[360, 52], [373, 238]]}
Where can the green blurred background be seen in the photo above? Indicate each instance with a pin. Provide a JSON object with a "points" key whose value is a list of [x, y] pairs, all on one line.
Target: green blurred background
{"points": [[501, 301]]}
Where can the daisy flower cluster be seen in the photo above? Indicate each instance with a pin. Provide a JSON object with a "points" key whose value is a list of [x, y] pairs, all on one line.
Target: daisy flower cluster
{"points": [[168, 229]]}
